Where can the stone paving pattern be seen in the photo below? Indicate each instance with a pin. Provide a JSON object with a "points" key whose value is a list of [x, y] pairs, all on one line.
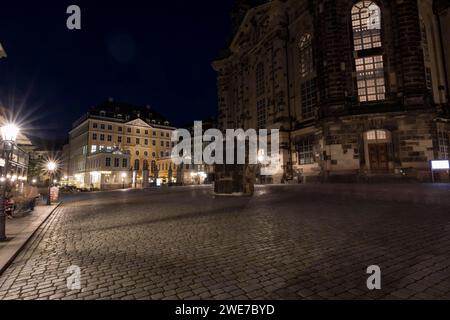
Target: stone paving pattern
{"points": [[286, 242]]}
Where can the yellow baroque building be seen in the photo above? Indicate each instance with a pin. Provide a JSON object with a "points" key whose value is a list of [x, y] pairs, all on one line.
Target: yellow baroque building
{"points": [[117, 145]]}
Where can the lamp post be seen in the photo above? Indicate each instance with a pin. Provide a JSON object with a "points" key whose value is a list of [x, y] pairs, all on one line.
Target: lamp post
{"points": [[51, 167], [9, 136], [261, 160]]}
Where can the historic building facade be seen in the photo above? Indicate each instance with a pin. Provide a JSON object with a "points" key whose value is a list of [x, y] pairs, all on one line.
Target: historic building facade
{"points": [[358, 89], [116, 144]]}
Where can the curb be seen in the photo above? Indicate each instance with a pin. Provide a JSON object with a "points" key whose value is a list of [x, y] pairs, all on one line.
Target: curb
{"points": [[11, 259]]}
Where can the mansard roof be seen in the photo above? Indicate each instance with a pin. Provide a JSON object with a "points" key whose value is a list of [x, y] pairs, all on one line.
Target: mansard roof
{"points": [[111, 108]]}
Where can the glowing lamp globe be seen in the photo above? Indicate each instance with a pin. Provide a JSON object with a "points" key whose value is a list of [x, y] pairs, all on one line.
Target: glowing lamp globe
{"points": [[9, 132], [51, 166]]}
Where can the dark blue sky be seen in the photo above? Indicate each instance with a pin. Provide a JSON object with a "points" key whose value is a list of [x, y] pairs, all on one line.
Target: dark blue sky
{"points": [[142, 52]]}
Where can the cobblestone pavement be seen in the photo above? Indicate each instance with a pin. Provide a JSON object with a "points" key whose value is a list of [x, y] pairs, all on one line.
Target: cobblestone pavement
{"points": [[286, 242]]}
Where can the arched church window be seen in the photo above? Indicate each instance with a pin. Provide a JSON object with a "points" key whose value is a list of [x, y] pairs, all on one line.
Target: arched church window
{"points": [[306, 55], [426, 54], [366, 27], [260, 87]]}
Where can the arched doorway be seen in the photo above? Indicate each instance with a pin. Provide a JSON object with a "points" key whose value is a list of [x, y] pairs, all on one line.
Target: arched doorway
{"points": [[377, 150]]}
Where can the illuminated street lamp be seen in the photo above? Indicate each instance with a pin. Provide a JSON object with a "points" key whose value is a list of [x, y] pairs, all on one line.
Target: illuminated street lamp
{"points": [[9, 135], [51, 168]]}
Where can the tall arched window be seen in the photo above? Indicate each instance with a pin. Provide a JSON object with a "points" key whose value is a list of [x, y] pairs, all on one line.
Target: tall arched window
{"points": [[136, 164], [260, 87], [366, 25], [260, 98], [305, 55], [145, 166], [308, 91], [426, 54]]}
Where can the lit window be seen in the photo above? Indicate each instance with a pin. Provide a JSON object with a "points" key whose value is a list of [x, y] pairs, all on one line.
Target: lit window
{"points": [[370, 78], [366, 23], [376, 135], [260, 87], [93, 148], [306, 55]]}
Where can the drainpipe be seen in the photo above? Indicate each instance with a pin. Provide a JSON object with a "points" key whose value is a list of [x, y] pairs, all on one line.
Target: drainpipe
{"points": [[290, 166]]}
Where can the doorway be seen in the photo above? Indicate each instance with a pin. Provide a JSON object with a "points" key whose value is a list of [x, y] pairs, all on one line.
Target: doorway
{"points": [[378, 157], [377, 144]]}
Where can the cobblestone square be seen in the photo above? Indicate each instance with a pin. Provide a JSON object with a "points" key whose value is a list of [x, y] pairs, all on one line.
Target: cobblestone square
{"points": [[286, 242]]}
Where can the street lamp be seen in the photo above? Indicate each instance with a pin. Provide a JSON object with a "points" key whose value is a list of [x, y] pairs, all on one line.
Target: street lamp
{"points": [[51, 168], [9, 135]]}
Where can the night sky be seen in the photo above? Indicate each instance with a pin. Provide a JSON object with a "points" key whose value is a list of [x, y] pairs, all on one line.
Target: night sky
{"points": [[141, 52]]}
